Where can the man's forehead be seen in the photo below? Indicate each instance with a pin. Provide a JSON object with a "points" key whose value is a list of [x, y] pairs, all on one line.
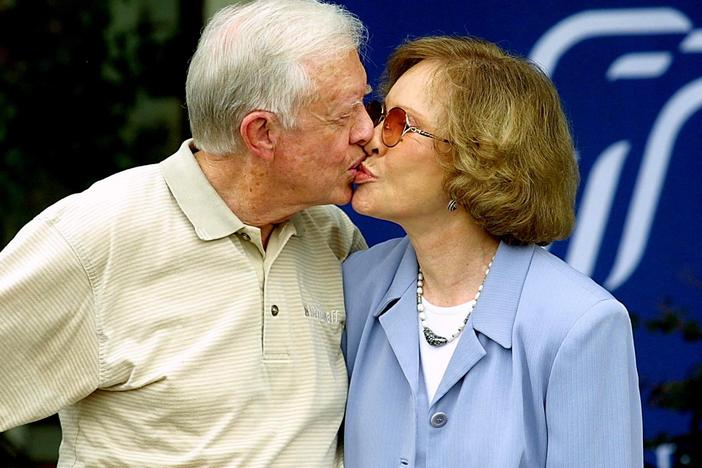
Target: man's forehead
{"points": [[342, 88], [341, 71]]}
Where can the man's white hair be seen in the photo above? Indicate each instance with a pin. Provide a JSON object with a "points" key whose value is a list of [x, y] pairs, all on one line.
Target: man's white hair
{"points": [[259, 55]]}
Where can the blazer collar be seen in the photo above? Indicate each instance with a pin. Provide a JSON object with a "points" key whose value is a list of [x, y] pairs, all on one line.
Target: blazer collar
{"points": [[496, 310], [405, 276]]}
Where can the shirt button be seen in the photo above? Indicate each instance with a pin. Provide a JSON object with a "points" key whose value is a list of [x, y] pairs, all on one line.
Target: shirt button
{"points": [[245, 236], [439, 419], [274, 310]]}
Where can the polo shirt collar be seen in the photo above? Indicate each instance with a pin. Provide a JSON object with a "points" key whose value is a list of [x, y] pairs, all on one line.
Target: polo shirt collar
{"points": [[200, 202], [298, 224], [206, 211]]}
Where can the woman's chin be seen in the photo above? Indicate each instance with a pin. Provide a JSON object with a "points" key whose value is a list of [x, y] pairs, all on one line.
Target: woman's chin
{"points": [[363, 205], [358, 205]]}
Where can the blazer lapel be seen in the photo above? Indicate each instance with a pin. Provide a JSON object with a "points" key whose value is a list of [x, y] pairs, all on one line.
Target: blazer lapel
{"points": [[401, 328], [467, 354], [494, 313], [397, 314]]}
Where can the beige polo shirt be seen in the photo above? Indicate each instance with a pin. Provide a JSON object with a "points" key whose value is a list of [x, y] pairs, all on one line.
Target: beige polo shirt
{"points": [[152, 320]]}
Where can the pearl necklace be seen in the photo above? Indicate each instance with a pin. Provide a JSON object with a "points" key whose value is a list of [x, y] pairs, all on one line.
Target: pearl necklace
{"points": [[432, 338]]}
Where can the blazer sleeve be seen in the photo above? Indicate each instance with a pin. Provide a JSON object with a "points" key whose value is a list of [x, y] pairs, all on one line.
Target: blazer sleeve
{"points": [[593, 406]]}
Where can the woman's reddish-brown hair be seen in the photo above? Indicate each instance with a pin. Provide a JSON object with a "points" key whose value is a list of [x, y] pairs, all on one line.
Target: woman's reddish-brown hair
{"points": [[511, 164]]}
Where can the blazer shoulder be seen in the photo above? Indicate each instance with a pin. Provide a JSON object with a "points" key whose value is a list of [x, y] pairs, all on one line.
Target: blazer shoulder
{"points": [[557, 294], [556, 302], [378, 262], [368, 275], [557, 275]]}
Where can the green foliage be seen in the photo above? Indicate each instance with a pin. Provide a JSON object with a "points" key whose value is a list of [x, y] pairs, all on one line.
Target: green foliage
{"points": [[84, 94], [683, 395], [70, 84], [672, 319]]}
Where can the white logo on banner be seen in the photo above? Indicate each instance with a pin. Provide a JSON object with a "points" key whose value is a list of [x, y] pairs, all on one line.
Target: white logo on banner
{"points": [[603, 179]]}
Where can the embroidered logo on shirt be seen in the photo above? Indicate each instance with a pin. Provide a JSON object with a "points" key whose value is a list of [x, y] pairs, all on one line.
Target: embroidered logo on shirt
{"points": [[316, 312]]}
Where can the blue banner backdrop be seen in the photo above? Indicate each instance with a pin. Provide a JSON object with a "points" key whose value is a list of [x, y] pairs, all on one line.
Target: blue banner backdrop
{"points": [[630, 76]]}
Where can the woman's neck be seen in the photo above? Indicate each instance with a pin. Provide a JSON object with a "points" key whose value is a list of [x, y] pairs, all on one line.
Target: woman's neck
{"points": [[453, 259]]}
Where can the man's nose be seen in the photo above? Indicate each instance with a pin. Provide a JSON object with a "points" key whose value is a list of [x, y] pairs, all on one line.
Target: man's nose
{"points": [[362, 131], [374, 146]]}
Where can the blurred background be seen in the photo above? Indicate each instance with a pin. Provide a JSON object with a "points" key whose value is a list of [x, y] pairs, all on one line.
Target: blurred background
{"points": [[91, 88]]}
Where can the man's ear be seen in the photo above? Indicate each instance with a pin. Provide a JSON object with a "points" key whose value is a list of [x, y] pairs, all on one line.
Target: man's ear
{"points": [[258, 130]]}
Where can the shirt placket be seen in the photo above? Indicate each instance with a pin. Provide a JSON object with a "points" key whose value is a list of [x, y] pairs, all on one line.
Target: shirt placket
{"points": [[277, 310]]}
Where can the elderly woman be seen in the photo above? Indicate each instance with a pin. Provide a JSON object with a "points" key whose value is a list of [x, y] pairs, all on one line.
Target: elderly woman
{"points": [[467, 343]]}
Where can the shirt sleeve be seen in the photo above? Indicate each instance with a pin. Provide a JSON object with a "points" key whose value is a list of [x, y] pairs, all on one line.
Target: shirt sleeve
{"points": [[48, 338], [358, 242], [345, 238], [593, 406]]}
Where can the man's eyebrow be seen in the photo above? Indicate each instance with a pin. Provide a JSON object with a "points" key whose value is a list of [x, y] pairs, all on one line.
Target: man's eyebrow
{"points": [[368, 90], [359, 102]]}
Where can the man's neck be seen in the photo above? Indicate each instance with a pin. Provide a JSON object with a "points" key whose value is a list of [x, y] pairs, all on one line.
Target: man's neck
{"points": [[243, 188]]}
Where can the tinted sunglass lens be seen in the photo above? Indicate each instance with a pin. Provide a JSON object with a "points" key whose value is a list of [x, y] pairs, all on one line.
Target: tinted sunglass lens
{"points": [[393, 126], [375, 111]]}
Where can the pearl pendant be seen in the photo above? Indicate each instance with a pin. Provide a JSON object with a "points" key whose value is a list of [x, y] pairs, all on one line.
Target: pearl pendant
{"points": [[432, 338]]}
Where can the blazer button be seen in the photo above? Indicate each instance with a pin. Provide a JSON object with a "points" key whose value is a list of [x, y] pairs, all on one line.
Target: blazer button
{"points": [[274, 310], [439, 419]]}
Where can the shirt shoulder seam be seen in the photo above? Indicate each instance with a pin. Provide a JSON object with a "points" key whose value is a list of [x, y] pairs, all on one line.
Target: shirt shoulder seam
{"points": [[89, 271]]}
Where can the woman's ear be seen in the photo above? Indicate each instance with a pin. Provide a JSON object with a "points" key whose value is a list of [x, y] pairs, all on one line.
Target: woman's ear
{"points": [[257, 130]]}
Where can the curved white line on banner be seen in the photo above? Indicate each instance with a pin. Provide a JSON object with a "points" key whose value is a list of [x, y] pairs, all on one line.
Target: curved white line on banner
{"points": [[649, 183], [595, 206], [639, 65], [663, 454], [594, 23], [693, 42]]}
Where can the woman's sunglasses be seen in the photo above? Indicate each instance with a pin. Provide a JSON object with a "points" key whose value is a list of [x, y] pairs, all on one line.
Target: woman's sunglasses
{"points": [[395, 124]]}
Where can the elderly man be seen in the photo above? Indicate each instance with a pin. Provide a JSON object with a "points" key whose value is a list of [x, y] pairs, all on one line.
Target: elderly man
{"points": [[189, 313]]}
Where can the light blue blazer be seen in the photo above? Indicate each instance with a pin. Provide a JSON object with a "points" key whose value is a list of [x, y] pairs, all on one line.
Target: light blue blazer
{"points": [[544, 374]]}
